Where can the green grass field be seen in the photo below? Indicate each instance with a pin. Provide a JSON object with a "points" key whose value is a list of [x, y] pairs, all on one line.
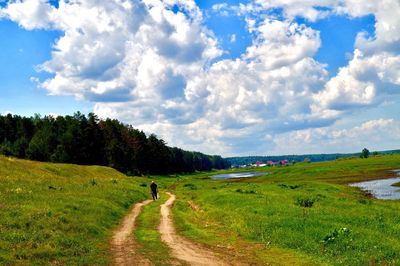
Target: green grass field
{"points": [[302, 214], [59, 214]]}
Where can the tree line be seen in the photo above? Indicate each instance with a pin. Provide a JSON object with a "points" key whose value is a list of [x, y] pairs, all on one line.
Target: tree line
{"points": [[91, 141], [237, 161], [247, 160]]}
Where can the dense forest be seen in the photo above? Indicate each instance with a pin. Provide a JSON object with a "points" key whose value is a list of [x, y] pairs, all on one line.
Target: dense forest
{"points": [[90, 141]]}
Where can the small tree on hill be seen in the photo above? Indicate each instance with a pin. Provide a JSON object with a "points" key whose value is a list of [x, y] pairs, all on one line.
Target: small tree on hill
{"points": [[364, 153]]}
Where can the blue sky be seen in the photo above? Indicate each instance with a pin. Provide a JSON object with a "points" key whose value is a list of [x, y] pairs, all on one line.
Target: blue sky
{"points": [[225, 77], [338, 34], [21, 52]]}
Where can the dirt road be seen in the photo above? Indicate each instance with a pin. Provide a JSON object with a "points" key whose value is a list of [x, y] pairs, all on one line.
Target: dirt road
{"points": [[123, 245], [183, 249]]}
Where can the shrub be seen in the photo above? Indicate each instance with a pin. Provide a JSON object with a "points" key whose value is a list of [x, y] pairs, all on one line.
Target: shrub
{"points": [[365, 201], [335, 234], [288, 186], [305, 202], [190, 186], [239, 190]]}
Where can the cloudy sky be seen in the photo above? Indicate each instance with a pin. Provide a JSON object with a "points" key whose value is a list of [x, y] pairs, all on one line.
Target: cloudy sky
{"points": [[229, 77]]}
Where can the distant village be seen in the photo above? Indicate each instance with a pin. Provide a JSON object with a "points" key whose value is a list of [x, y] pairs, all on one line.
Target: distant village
{"points": [[268, 163]]}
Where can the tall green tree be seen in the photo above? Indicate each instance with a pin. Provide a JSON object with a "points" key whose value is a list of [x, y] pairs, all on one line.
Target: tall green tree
{"points": [[89, 140], [365, 153]]}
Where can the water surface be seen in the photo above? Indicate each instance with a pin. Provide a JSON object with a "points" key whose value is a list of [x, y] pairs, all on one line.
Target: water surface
{"points": [[381, 188], [237, 175]]}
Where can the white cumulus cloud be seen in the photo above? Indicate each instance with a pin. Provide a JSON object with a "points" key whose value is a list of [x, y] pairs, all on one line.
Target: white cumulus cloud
{"points": [[235, 101], [373, 74], [379, 134], [155, 64]]}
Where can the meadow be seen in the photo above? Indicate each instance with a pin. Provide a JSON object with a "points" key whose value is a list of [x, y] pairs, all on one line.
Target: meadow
{"points": [[302, 214], [61, 214]]}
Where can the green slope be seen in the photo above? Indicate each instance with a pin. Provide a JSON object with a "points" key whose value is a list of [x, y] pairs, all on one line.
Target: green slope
{"points": [[61, 214]]}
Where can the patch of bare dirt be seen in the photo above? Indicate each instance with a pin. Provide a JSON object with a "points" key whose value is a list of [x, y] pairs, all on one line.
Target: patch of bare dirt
{"points": [[194, 206], [182, 248], [123, 245]]}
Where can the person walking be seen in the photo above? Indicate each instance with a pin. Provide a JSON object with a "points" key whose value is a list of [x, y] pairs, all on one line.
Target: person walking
{"points": [[154, 190]]}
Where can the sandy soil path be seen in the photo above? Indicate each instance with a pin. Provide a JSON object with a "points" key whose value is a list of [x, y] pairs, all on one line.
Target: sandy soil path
{"points": [[183, 249], [123, 245]]}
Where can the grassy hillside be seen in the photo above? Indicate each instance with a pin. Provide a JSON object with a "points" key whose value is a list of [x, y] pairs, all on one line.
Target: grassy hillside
{"points": [[305, 214], [61, 214]]}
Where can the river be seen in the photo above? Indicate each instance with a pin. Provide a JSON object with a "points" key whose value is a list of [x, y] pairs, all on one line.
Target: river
{"points": [[237, 175], [382, 188]]}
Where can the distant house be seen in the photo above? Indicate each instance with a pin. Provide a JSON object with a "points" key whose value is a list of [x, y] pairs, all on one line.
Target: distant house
{"points": [[258, 164], [284, 162], [281, 162]]}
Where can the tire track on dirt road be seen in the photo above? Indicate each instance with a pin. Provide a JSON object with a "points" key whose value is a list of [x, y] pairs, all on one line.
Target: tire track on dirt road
{"points": [[182, 248], [123, 245]]}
